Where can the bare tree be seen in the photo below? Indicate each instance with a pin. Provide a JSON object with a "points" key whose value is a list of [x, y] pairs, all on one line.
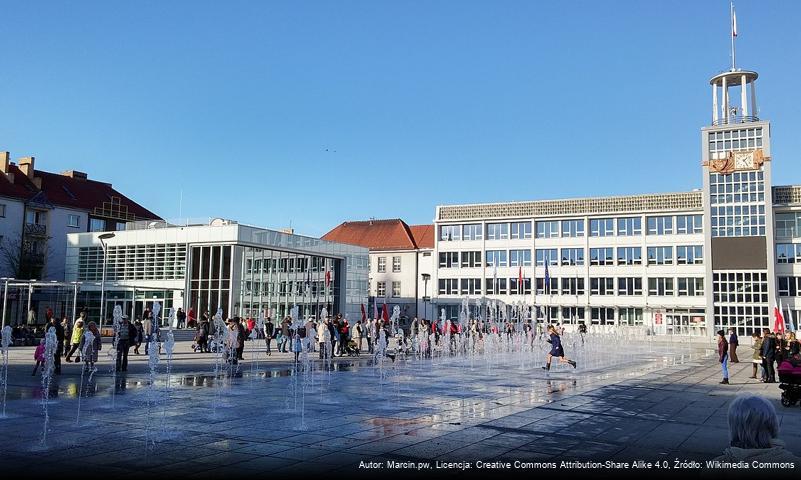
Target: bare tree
{"points": [[22, 259]]}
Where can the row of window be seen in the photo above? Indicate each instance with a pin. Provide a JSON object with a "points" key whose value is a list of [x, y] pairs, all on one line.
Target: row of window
{"points": [[381, 289], [664, 255], [382, 264], [621, 286], [598, 227], [598, 315], [282, 288]]}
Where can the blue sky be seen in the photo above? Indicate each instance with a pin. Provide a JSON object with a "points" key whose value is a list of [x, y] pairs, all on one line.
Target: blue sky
{"points": [[316, 112]]}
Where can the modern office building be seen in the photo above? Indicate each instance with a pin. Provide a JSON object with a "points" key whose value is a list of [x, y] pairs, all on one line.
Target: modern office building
{"points": [[400, 262], [38, 209], [680, 263], [241, 269]]}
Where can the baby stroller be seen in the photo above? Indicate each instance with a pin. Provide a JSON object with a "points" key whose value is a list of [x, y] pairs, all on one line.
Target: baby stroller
{"points": [[790, 378], [351, 348]]}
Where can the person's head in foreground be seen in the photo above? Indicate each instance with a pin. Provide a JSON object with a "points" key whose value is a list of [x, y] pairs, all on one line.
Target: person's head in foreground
{"points": [[753, 434]]}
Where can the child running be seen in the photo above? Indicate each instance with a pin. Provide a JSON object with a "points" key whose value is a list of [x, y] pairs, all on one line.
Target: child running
{"points": [[556, 349], [38, 355]]}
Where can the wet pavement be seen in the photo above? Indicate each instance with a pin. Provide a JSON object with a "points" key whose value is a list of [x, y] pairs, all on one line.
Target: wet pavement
{"points": [[648, 402]]}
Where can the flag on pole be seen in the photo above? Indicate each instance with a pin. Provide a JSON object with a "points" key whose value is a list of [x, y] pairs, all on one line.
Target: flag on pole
{"points": [[547, 286], [791, 320], [385, 313], [327, 277], [733, 21], [364, 314], [520, 280], [495, 275], [778, 324]]}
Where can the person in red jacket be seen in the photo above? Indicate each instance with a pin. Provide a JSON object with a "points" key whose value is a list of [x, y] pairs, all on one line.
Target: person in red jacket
{"points": [[251, 325]]}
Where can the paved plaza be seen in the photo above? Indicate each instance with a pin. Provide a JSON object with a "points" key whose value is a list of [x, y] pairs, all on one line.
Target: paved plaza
{"points": [[656, 402]]}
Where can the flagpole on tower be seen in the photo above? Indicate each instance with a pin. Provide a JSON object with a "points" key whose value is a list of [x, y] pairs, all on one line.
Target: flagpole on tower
{"points": [[733, 35]]}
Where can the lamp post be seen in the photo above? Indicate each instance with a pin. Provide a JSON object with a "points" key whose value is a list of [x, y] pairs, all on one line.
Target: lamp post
{"points": [[5, 300], [102, 237], [426, 277]]}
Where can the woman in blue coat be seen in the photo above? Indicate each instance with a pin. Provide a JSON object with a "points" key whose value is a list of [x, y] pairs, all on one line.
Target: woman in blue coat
{"points": [[556, 349]]}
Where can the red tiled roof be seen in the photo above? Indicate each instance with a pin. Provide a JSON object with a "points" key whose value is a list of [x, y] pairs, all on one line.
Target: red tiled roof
{"points": [[423, 235], [21, 187], [392, 234], [81, 194]]}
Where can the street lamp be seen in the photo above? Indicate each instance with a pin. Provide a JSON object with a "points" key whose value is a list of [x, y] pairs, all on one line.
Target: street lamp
{"points": [[426, 277], [102, 237]]}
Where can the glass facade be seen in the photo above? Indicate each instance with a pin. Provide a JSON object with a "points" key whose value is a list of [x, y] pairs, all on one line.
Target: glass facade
{"points": [[240, 269]]}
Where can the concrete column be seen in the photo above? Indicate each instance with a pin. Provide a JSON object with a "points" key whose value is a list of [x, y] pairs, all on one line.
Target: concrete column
{"points": [[725, 106], [743, 95], [714, 103]]}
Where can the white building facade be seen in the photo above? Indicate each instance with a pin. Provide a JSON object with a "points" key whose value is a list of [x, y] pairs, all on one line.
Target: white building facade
{"points": [[679, 263]]}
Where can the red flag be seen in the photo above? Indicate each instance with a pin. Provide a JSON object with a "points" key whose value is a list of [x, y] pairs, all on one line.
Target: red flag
{"points": [[520, 279], [778, 325], [385, 314], [327, 277], [364, 314]]}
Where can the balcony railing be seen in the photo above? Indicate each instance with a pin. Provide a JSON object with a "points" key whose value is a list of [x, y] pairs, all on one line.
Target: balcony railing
{"points": [[35, 229], [735, 119]]}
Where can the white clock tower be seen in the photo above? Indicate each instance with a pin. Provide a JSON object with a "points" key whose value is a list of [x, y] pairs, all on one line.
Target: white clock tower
{"points": [[738, 212]]}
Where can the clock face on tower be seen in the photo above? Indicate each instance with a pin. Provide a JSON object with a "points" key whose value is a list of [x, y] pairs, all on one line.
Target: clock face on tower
{"points": [[732, 161], [744, 160]]}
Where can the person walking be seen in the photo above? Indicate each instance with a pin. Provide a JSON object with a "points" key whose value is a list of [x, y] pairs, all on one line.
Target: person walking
{"points": [[370, 335], [180, 315], [269, 330], [733, 342], [344, 330], [126, 332], [769, 355], [147, 330], [556, 350], [75, 341], [333, 328], [324, 337], [240, 339], [285, 335], [191, 318], [66, 326], [140, 334], [297, 345], [90, 352], [357, 335], [59, 345], [723, 355], [203, 336], [756, 357]]}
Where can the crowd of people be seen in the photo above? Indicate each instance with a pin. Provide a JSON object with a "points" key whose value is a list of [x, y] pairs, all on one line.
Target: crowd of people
{"points": [[770, 349], [334, 336]]}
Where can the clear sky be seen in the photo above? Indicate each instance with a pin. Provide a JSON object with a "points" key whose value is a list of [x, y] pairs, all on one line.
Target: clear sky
{"points": [[317, 112]]}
